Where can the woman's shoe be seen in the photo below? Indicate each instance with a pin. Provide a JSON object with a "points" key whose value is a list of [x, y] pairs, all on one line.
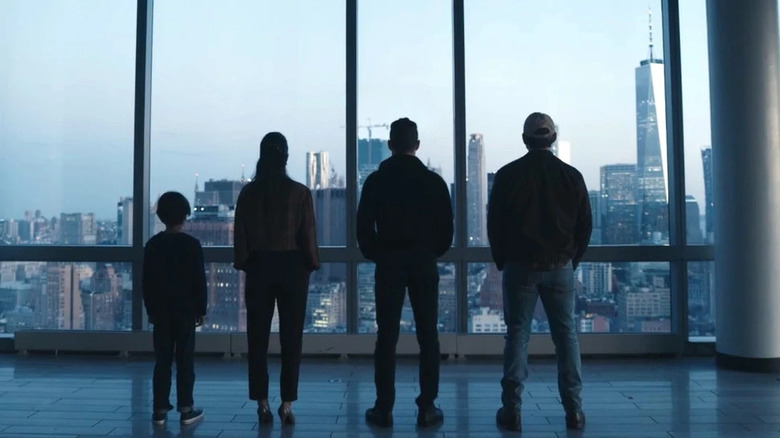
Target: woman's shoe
{"points": [[286, 415], [264, 415]]}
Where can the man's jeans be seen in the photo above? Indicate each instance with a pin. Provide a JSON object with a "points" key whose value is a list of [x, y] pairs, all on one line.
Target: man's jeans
{"points": [[522, 286]]}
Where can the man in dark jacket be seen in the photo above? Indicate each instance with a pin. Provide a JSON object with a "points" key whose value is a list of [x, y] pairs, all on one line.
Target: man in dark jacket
{"points": [[404, 223], [539, 225]]}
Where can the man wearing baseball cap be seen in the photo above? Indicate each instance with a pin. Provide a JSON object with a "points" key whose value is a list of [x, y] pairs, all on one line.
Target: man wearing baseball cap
{"points": [[539, 226]]}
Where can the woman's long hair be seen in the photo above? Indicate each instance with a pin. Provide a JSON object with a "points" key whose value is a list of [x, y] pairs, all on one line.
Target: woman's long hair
{"points": [[271, 177], [272, 165]]}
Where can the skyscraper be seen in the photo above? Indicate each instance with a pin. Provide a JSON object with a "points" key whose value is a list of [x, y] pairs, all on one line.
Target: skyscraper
{"points": [[476, 191], [213, 223], [652, 169], [317, 170], [124, 221], [692, 221], [330, 211], [595, 207], [561, 148], [219, 192], [597, 279], [103, 306], [371, 152], [78, 229], [618, 204], [709, 194], [58, 305]]}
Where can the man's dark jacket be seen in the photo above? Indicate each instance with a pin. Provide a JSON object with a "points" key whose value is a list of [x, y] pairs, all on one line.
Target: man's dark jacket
{"points": [[404, 206], [539, 212]]}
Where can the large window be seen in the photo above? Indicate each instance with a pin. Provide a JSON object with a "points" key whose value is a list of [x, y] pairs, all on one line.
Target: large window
{"points": [[405, 70], [699, 187], [618, 297], [225, 74], [66, 121], [597, 68], [65, 296]]}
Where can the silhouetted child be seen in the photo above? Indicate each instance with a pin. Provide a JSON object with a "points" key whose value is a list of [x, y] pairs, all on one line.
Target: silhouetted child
{"points": [[174, 288]]}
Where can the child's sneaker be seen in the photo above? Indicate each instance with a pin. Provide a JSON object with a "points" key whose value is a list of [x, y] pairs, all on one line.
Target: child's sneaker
{"points": [[191, 416], [159, 418]]}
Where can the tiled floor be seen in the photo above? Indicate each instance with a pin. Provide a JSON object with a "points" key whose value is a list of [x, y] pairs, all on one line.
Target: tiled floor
{"points": [[105, 396]]}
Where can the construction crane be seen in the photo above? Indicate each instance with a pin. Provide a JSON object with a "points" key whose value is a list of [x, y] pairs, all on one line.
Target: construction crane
{"points": [[368, 127], [371, 126]]}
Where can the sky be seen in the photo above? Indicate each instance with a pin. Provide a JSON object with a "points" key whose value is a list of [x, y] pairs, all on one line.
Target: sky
{"points": [[225, 73]]}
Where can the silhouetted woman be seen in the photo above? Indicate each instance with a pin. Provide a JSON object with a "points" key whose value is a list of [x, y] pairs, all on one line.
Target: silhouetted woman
{"points": [[275, 243]]}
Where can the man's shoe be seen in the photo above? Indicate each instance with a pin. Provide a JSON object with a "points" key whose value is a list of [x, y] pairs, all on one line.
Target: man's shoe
{"points": [[509, 419], [379, 417], [429, 416], [191, 416], [159, 418], [575, 420]]}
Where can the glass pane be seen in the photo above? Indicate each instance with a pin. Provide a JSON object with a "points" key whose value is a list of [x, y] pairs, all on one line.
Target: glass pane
{"points": [[701, 301], [367, 304], [225, 74], [600, 75], [326, 305], [615, 297], [405, 70], [699, 202], [66, 100], [65, 296]]}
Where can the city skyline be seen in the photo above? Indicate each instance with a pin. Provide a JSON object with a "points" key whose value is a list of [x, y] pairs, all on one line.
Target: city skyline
{"points": [[185, 137]]}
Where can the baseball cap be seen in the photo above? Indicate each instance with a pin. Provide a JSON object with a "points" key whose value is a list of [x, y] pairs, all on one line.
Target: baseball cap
{"points": [[539, 125]]}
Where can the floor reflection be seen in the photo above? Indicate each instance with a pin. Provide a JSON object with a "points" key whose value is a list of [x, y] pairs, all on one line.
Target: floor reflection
{"points": [[106, 396]]}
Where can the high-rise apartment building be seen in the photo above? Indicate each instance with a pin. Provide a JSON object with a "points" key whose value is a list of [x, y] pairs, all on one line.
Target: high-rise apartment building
{"points": [[595, 207], [597, 280], [709, 194], [103, 304], [330, 210], [124, 221], [213, 223], [371, 152], [78, 229], [219, 192], [476, 191], [618, 205], [58, 303], [693, 221], [317, 170]]}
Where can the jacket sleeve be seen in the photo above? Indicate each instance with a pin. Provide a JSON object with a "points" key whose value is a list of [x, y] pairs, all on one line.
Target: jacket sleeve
{"points": [[366, 219], [444, 228], [495, 222], [240, 244], [308, 233], [584, 226], [201, 290], [147, 283]]}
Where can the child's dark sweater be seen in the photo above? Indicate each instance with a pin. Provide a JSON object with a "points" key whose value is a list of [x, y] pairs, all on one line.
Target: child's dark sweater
{"points": [[174, 277]]}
